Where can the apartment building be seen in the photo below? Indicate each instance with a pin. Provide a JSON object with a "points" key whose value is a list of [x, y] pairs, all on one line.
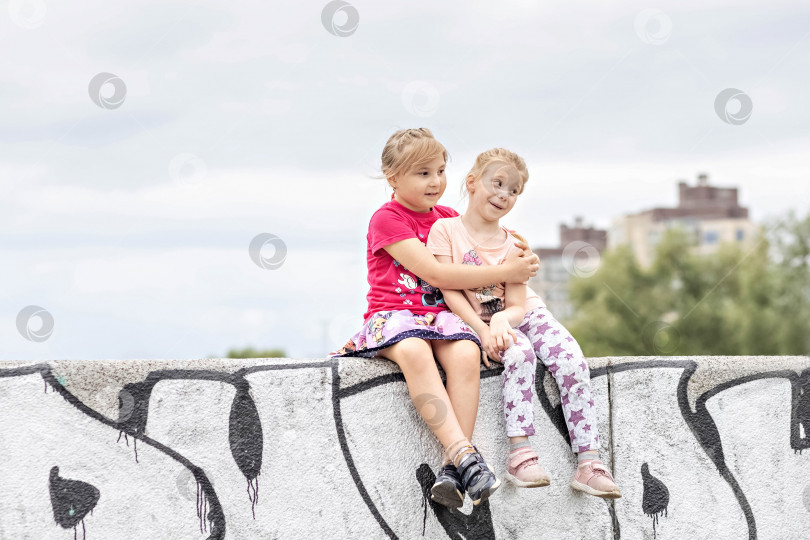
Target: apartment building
{"points": [[578, 253], [710, 214]]}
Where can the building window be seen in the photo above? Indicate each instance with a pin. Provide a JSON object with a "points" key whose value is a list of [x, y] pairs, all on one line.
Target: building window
{"points": [[740, 235], [710, 237]]}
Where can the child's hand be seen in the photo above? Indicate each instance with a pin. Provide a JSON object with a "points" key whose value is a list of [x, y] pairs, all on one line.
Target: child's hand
{"points": [[501, 332], [489, 347], [527, 252], [520, 268]]}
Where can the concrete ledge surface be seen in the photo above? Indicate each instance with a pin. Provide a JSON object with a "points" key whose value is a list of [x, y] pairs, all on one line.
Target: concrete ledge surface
{"points": [[703, 447]]}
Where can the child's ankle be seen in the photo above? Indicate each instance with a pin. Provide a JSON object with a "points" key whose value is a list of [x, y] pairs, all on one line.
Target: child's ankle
{"points": [[587, 455], [457, 450], [518, 443], [463, 451]]}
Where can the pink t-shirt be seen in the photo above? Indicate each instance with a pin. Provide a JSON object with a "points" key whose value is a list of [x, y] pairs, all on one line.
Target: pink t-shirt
{"points": [[391, 285], [450, 237]]}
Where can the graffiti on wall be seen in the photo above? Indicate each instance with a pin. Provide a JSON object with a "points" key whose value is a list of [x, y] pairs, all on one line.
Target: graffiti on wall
{"points": [[656, 496], [73, 497], [72, 500]]}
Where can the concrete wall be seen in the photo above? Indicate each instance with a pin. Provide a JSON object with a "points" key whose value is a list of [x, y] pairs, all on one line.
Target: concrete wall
{"points": [[702, 448]]}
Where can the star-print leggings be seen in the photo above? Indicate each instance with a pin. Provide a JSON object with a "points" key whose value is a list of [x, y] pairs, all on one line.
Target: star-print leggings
{"points": [[540, 335]]}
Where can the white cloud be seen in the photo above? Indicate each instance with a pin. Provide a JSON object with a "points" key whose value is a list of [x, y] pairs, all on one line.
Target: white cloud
{"points": [[289, 121], [182, 302], [279, 195]]}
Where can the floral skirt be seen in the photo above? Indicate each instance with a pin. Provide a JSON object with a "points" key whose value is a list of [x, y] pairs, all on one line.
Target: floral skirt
{"points": [[386, 328]]}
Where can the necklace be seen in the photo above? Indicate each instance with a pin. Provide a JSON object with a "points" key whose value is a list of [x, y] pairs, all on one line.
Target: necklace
{"points": [[482, 243]]}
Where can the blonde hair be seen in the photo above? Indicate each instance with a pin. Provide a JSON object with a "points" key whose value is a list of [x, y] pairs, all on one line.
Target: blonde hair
{"points": [[408, 148], [502, 155]]}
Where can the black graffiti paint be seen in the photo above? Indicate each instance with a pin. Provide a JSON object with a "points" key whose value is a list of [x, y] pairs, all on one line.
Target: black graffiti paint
{"points": [[655, 498], [344, 447], [705, 430], [202, 509], [71, 500], [703, 427], [214, 514], [456, 524], [126, 440], [339, 393], [246, 440], [135, 397], [245, 435], [698, 420], [614, 519], [801, 392]]}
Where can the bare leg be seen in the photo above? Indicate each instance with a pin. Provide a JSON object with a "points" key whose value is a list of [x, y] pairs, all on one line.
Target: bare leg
{"points": [[461, 361], [414, 356]]}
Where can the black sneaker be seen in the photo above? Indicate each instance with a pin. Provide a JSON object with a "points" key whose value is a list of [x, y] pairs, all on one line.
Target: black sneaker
{"points": [[447, 490], [477, 478]]}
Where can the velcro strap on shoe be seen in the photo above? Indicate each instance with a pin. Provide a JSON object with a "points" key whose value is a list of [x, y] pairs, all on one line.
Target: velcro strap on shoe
{"points": [[599, 468], [527, 455], [529, 461], [448, 473], [471, 469]]}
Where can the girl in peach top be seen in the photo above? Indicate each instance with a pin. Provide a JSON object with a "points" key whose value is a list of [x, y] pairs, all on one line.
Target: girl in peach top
{"points": [[516, 328]]}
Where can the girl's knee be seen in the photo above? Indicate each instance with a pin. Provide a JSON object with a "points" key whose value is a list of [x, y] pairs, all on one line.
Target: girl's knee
{"points": [[462, 358], [413, 352], [520, 353], [469, 352], [462, 350], [469, 363]]}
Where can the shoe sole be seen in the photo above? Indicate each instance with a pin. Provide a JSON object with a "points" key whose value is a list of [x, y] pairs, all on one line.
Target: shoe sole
{"points": [[447, 495], [522, 483], [595, 492], [488, 492]]}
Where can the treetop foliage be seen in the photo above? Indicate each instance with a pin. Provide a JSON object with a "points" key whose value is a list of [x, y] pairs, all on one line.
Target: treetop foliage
{"points": [[752, 300]]}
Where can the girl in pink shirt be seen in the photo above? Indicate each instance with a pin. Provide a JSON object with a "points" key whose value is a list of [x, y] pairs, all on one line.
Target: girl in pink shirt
{"points": [[516, 328], [407, 320]]}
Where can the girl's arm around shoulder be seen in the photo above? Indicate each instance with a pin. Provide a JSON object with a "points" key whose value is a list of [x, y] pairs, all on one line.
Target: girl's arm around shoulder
{"points": [[417, 258], [523, 245]]}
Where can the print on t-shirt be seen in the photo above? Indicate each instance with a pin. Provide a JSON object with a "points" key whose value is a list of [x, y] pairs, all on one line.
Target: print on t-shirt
{"points": [[408, 283], [432, 296], [490, 303]]}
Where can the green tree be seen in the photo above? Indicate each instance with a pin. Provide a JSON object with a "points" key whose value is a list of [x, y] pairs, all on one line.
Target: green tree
{"points": [[737, 301], [250, 352], [791, 251]]}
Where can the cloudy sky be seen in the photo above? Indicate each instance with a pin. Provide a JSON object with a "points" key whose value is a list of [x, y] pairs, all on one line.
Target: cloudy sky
{"points": [[129, 200]]}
